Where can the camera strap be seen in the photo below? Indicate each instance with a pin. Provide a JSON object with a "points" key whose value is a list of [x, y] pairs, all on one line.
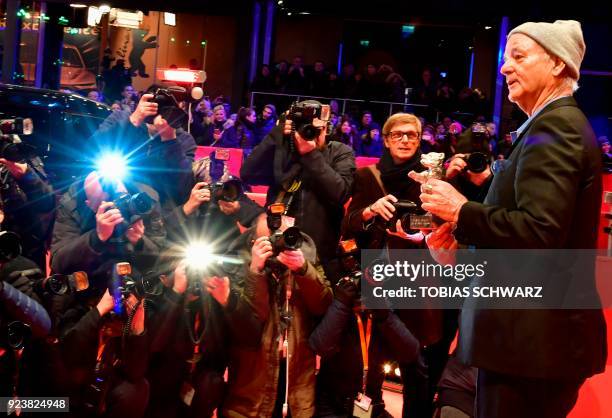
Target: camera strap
{"points": [[290, 192], [376, 173], [365, 335], [285, 341]]}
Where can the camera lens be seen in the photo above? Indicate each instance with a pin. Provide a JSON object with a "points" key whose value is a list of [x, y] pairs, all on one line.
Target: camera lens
{"points": [[293, 238], [309, 132], [477, 162]]}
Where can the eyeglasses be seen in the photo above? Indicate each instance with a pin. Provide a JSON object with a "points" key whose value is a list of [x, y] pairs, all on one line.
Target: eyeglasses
{"points": [[397, 136]]}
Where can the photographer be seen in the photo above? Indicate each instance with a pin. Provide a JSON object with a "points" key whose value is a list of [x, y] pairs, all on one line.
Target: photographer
{"points": [[155, 141], [345, 369], [84, 236], [27, 200], [312, 177], [105, 354], [286, 290], [190, 351], [216, 219], [371, 218], [23, 322]]}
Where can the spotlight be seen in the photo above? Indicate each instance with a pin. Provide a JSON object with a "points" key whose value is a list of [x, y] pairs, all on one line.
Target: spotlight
{"points": [[488, 27], [112, 167], [397, 372], [387, 368]]}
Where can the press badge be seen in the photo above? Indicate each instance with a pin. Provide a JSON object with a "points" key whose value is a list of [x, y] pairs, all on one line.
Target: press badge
{"points": [[362, 407], [187, 392]]}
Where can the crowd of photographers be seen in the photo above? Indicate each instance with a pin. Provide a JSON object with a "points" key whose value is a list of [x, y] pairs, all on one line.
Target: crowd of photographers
{"points": [[173, 294]]}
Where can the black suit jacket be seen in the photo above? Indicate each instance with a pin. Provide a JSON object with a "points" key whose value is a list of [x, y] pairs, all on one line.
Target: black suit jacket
{"points": [[547, 196]]}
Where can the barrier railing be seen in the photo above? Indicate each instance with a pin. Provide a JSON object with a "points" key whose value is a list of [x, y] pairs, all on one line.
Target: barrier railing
{"points": [[378, 107]]}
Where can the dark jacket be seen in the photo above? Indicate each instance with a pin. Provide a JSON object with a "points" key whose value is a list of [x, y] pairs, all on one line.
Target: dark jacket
{"points": [[547, 195], [165, 166], [239, 136], [254, 369], [172, 350], [327, 180], [263, 128], [336, 340], [28, 204], [425, 324], [76, 245]]}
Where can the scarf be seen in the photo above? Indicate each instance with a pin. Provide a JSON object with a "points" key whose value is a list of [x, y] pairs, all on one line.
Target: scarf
{"points": [[395, 176]]}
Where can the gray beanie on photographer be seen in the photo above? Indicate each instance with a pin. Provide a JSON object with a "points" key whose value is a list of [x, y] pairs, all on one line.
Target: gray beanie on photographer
{"points": [[563, 38]]}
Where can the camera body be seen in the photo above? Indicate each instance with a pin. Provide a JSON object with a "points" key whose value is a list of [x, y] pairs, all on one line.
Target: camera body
{"points": [[410, 215], [477, 162], [349, 257], [228, 191], [168, 108], [138, 204], [302, 114], [62, 284], [290, 239], [16, 126]]}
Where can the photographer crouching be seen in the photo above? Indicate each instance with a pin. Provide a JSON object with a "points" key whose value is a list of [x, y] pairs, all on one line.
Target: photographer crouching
{"points": [[104, 223], [23, 321], [27, 200]]}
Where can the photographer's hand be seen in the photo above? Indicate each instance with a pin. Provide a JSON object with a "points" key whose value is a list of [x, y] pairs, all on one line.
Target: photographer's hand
{"points": [[261, 251], [293, 260], [180, 278], [303, 146], [106, 219], [456, 165], [145, 108], [17, 170], [163, 128], [219, 288], [382, 207], [199, 194], [135, 232], [106, 304]]}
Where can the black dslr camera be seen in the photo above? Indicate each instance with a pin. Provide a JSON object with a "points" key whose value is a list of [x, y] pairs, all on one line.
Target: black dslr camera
{"points": [[477, 162], [290, 239], [410, 215], [131, 207], [302, 114], [62, 284], [138, 204], [168, 107], [351, 268], [11, 146], [17, 126], [228, 191]]}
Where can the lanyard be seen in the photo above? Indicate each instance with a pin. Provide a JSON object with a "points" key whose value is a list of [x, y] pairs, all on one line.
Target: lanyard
{"points": [[364, 337]]}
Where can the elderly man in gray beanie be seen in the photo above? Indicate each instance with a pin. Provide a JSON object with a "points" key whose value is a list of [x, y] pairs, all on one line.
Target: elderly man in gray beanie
{"points": [[546, 195]]}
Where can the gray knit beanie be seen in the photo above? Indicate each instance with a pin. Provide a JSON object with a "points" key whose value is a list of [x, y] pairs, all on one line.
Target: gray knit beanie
{"points": [[563, 38]]}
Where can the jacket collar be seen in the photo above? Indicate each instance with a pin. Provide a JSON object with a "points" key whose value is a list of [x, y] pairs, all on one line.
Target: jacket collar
{"points": [[552, 105]]}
